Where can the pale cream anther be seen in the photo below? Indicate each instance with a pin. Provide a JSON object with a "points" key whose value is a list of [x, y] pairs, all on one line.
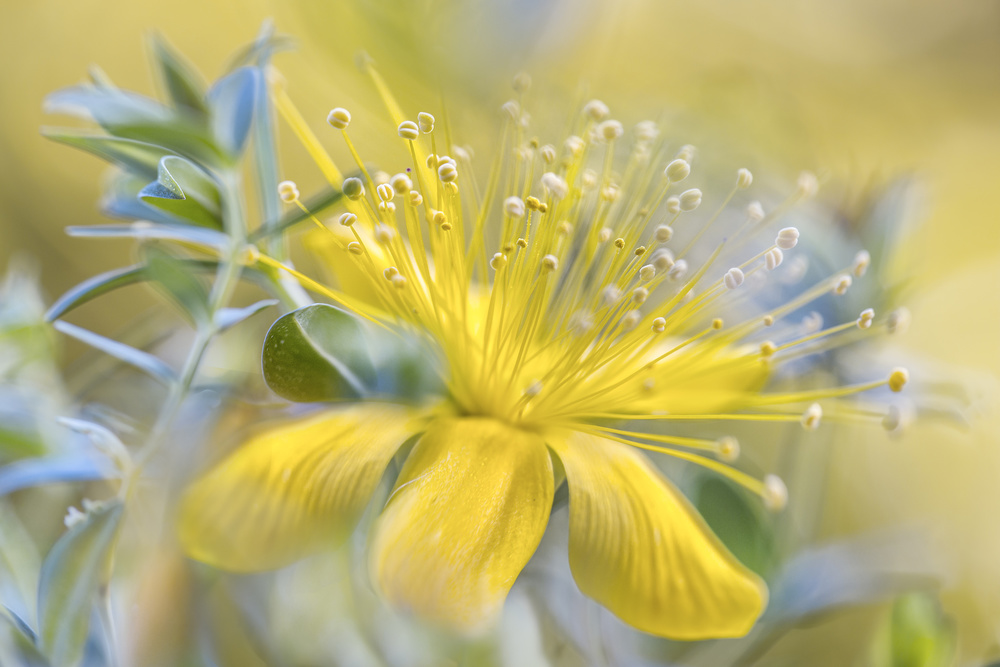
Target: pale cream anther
{"points": [[353, 188], [387, 207], [812, 322], [347, 219], [425, 122], [646, 131], [574, 145], [787, 238], [663, 259], [611, 295], [385, 192], [664, 233], [775, 493], [659, 325], [401, 184], [288, 191], [589, 179], [521, 82], [639, 295], [611, 130], [862, 260], [384, 234], [549, 263], [447, 173], [768, 320], [390, 272], [729, 449], [866, 318], [690, 199], [511, 109], [647, 273], [610, 192], [564, 228], [773, 259], [678, 270], [554, 185], [355, 248], [767, 349], [631, 320], [399, 281], [755, 211], [808, 185], [339, 118], [677, 170], [743, 179], [548, 153], [416, 199], [812, 417], [898, 320], [499, 261], [734, 278], [842, 284], [408, 130], [514, 207], [596, 109], [687, 153], [604, 235]]}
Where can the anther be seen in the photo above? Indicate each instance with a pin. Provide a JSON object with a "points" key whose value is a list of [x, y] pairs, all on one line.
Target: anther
{"points": [[690, 199], [511, 109], [767, 349], [611, 130], [866, 318], [596, 109], [898, 320], [768, 320], [439, 218], [565, 228], [807, 185], [717, 323], [755, 211], [532, 203], [508, 248], [664, 233], [385, 192], [812, 417], [677, 170], [380, 177], [384, 234], [447, 173], [574, 145], [773, 259], [743, 179], [729, 449], [898, 379], [347, 219], [659, 325], [339, 118], [775, 493], [611, 295], [408, 130], [646, 131], [387, 207], [549, 263], [631, 320], [445, 227], [862, 261], [663, 259], [353, 188], [619, 243], [401, 184], [610, 192], [639, 251], [425, 122], [554, 184], [647, 273], [734, 278], [390, 272], [499, 261], [399, 281], [548, 153], [415, 198], [355, 248], [639, 295], [589, 178], [842, 285], [787, 238], [687, 152], [522, 243], [288, 192], [514, 207], [533, 389], [604, 235], [678, 270]]}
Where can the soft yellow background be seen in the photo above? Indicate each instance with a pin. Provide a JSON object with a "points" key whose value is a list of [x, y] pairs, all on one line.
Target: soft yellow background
{"points": [[856, 90]]}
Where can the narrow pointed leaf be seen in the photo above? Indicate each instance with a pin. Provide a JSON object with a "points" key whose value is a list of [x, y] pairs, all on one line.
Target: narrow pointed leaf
{"points": [[144, 230], [184, 190], [232, 105], [317, 353], [226, 318], [315, 205], [185, 87], [71, 575], [135, 156], [178, 285], [144, 361], [57, 469]]}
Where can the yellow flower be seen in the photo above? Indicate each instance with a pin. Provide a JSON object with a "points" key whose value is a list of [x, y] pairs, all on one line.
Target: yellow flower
{"points": [[561, 305]]}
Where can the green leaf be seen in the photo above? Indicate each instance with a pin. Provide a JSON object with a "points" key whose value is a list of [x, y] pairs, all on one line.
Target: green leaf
{"points": [[227, 318], [232, 104], [184, 190], [317, 353], [143, 230], [185, 87], [179, 286], [70, 577], [142, 360], [735, 518], [135, 156]]}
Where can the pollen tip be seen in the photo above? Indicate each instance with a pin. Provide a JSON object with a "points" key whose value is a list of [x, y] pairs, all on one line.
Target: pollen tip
{"points": [[288, 191], [898, 379], [339, 118], [812, 417], [775, 493], [728, 448], [717, 323]]}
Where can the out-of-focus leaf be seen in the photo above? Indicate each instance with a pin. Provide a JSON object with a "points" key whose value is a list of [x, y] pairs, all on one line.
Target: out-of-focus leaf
{"points": [[121, 200], [79, 467], [185, 87], [232, 105], [184, 190], [267, 42], [316, 205], [71, 575], [19, 564], [131, 155], [226, 318], [317, 353], [112, 280], [920, 635], [102, 438], [132, 116], [142, 360], [406, 369], [143, 230], [19, 623], [733, 517], [184, 289]]}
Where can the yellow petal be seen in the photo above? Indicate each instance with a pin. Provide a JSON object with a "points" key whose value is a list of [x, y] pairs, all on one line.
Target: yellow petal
{"points": [[638, 547], [468, 511], [292, 489]]}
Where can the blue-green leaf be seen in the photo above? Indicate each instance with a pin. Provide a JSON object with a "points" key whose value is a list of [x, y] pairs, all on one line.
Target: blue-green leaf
{"points": [[144, 230], [226, 318], [144, 361], [317, 353], [70, 577], [178, 285], [184, 190], [232, 104], [78, 467], [185, 87], [135, 156]]}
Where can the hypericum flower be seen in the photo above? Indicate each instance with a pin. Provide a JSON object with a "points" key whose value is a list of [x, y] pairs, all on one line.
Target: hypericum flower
{"points": [[566, 300]]}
